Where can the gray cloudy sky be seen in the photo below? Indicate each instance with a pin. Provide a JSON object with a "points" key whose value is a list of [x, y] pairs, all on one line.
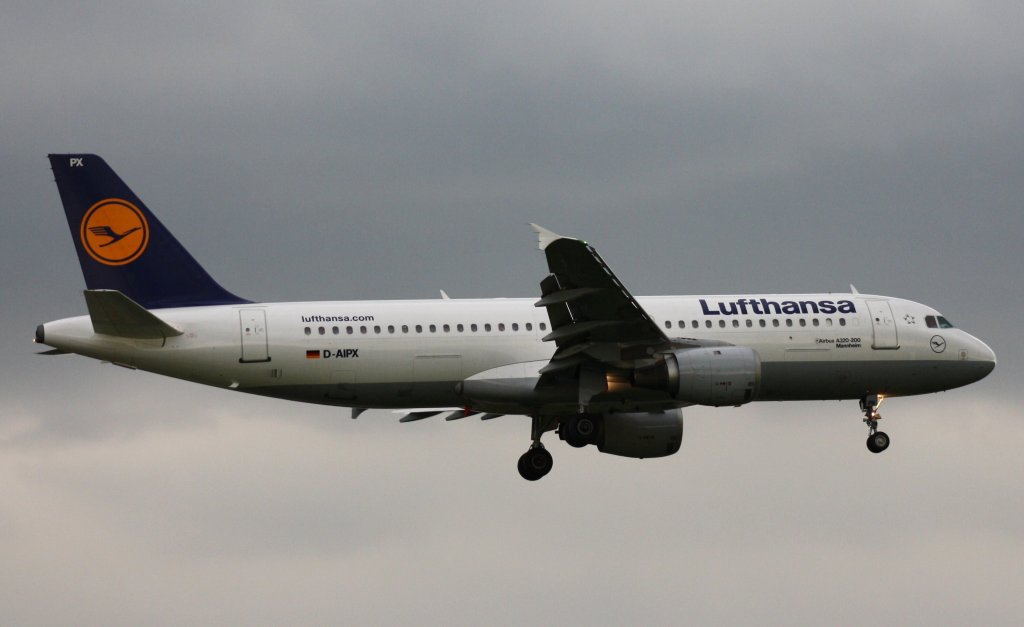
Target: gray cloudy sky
{"points": [[381, 150]]}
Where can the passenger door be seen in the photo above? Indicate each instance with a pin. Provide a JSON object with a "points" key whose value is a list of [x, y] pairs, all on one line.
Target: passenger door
{"points": [[253, 325], [883, 325]]}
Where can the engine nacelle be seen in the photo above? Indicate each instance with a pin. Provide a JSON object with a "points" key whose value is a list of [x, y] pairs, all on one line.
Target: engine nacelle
{"points": [[641, 435], [720, 375]]}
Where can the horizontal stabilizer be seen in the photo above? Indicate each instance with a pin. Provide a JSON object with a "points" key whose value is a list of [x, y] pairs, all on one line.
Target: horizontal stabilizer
{"points": [[115, 314]]}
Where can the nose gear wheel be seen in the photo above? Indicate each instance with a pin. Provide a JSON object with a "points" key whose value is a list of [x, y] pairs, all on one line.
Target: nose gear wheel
{"points": [[878, 441]]}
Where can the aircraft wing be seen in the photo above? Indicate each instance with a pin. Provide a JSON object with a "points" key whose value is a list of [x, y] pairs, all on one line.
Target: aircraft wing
{"points": [[594, 319], [601, 332]]}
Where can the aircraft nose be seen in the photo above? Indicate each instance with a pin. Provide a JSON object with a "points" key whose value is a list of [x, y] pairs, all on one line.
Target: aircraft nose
{"points": [[987, 355]]}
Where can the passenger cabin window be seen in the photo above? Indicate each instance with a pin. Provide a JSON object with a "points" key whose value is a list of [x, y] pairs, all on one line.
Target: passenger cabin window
{"points": [[487, 326], [433, 328], [349, 330], [447, 328], [460, 328], [529, 326], [543, 326], [405, 328], [501, 326], [472, 327]]}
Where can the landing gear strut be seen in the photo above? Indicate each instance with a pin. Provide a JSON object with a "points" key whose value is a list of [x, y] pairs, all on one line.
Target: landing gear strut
{"points": [[878, 441], [536, 462]]}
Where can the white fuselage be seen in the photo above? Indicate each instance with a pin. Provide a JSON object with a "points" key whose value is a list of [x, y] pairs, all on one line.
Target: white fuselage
{"points": [[401, 354]]}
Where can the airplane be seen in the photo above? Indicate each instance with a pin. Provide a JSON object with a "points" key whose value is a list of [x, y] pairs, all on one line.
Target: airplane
{"points": [[586, 359]]}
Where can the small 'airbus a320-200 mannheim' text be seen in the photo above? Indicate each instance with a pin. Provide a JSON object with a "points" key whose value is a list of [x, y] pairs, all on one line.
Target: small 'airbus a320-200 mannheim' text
{"points": [[586, 359]]}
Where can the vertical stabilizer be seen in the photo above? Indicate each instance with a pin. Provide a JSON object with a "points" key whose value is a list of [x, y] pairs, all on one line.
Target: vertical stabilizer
{"points": [[122, 246]]}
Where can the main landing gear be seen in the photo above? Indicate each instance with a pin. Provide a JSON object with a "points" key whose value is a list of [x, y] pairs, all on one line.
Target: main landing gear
{"points": [[536, 462], [878, 441]]}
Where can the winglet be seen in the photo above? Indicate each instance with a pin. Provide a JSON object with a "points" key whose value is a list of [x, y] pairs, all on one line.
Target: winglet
{"points": [[544, 236], [853, 289], [445, 296]]}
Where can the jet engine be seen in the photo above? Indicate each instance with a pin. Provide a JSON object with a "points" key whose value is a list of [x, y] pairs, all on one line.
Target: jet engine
{"points": [[720, 375], [641, 435]]}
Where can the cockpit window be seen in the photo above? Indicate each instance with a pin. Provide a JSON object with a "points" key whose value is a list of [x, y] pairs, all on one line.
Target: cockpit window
{"points": [[938, 322]]}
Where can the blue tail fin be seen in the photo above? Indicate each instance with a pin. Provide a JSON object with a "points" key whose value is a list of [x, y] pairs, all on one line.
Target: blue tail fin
{"points": [[121, 244]]}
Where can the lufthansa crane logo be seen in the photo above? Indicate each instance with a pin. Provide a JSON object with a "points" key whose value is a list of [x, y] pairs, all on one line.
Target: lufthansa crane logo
{"points": [[938, 343], [114, 232]]}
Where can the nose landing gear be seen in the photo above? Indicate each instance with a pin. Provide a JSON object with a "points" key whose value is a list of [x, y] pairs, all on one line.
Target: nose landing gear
{"points": [[878, 441]]}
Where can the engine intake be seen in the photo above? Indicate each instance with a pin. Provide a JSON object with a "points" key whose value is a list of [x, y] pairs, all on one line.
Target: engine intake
{"points": [[717, 376]]}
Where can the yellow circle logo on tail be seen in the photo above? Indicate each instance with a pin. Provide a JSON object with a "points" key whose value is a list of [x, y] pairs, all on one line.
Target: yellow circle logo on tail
{"points": [[114, 232]]}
